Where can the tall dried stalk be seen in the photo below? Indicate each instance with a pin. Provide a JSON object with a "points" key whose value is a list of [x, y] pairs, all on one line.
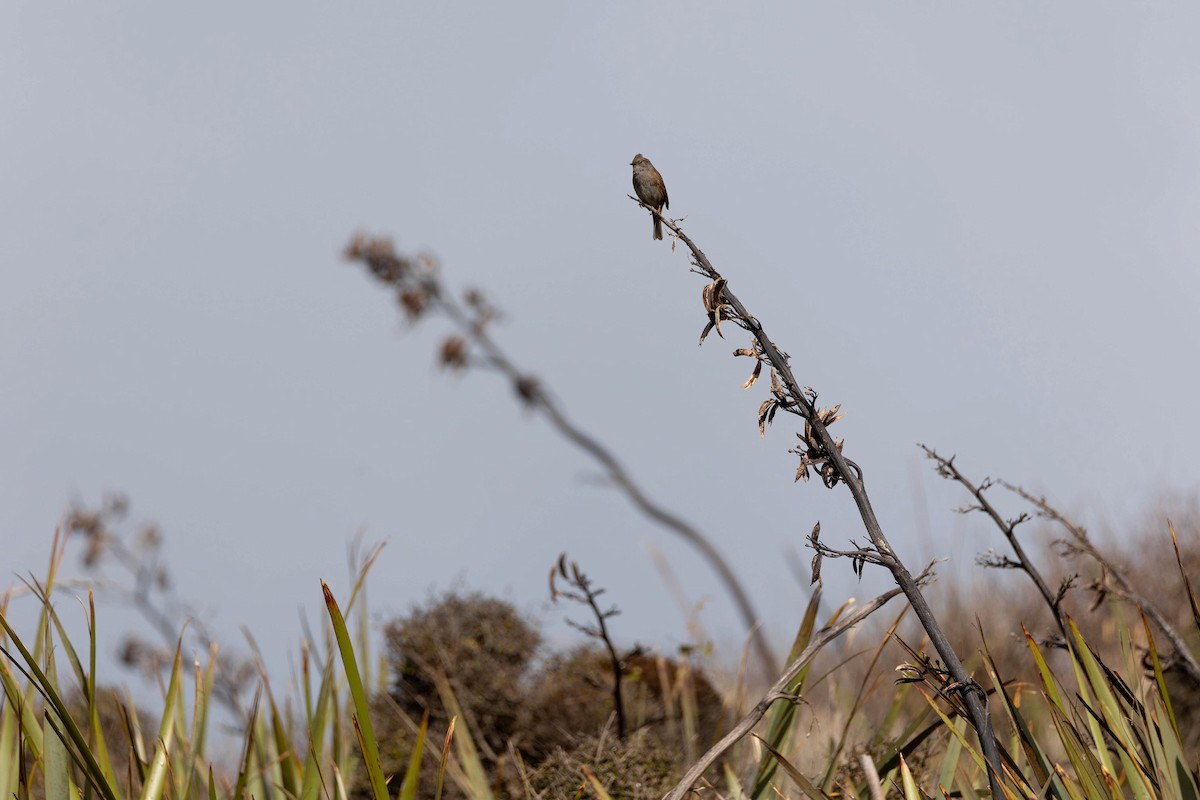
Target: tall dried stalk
{"points": [[821, 453]]}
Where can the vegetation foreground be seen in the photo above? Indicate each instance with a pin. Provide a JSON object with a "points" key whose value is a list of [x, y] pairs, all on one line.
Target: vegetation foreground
{"points": [[464, 712]]}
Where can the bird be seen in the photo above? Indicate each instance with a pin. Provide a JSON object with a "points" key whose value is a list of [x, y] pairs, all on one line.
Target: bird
{"points": [[651, 190]]}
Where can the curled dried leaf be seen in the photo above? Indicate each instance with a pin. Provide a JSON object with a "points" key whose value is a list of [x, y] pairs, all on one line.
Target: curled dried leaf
{"points": [[713, 295], [764, 412], [713, 298], [829, 474], [717, 315], [777, 388], [815, 539], [828, 416], [753, 376]]}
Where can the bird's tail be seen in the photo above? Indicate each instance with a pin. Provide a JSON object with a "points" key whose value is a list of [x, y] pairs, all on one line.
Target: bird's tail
{"points": [[657, 226]]}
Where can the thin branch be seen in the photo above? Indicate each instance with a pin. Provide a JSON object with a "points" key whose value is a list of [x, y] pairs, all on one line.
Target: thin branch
{"points": [[581, 591], [1119, 584], [1008, 527], [820, 450]]}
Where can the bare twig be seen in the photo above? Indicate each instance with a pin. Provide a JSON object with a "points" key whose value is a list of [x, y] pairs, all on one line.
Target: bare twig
{"points": [[582, 592], [778, 691], [1008, 527], [819, 451], [419, 290], [1113, 581]]}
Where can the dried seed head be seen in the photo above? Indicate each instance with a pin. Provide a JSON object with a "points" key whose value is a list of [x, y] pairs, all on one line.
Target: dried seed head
{"points": [[414, 302], [454, 353], [528, 389], [356, 248]]}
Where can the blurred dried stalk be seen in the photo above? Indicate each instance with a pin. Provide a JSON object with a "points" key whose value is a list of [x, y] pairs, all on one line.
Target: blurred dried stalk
{"points": [[150, 592], [419, 291]]}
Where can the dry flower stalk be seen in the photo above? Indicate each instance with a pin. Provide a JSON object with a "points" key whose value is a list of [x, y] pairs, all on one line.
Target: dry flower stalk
{"points": [[820, 452]]}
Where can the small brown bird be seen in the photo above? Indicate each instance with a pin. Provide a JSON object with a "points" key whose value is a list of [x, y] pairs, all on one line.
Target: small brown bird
{"points": [[651, 190]]}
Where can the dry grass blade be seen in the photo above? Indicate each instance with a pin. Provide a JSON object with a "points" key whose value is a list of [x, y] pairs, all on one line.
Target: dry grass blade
{"points": [[776, 692], [1183, 573], [441, 775], [798, 777]]}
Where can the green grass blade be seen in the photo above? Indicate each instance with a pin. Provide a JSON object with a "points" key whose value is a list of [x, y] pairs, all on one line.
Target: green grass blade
{"points": [[441, 776], [56, 764], [808, 787], [1160, 680], [597, 787], [200, 703], [732, 784], [782, 716], [864, 689], [370, 746], [1113, 718], [156, 776], [287, 764], [408, 789], [1187, 584], [243, 779], [96, 734], [911, 792], [311, 785], [47, 689], [1093, 777], [474, 774], [1034, 753], [10, 748], [959, 735], [950, 755], [1049, 684], [27, 723]]}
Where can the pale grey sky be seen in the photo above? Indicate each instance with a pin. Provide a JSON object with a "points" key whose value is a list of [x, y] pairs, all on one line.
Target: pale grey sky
{"points": [[973, 226]]}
